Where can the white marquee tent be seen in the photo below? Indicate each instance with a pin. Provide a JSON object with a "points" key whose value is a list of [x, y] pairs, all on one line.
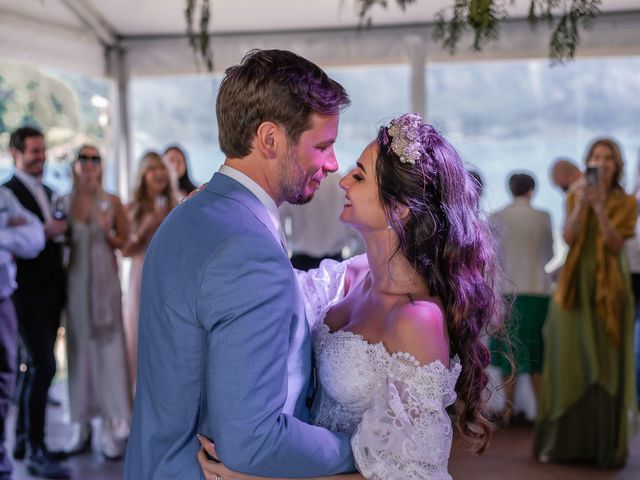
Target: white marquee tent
{"points": [[120, 39]]}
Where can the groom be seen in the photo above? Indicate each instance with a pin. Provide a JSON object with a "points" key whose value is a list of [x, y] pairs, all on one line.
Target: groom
{"points": [[224, 347]]}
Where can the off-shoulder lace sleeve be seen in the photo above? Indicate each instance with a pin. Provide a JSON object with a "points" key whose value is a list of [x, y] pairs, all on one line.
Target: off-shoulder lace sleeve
{"points": [[406, 432], [322, 287]]}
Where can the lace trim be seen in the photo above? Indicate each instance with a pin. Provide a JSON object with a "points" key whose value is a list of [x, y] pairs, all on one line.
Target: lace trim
{"points": [[400, 365]]}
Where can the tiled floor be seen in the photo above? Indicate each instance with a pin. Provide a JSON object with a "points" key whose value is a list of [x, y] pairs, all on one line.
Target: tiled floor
{"points": [[508, 457]]}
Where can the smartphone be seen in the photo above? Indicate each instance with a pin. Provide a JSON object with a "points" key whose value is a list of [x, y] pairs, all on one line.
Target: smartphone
{"points": [[593, 176]]}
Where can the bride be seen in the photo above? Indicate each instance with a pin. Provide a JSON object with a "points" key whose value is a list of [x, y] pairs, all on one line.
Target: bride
{"points": [[396, 334]]}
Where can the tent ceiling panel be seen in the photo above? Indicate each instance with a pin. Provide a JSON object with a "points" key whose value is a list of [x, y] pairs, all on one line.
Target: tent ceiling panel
{"points": [[39, 42], [228, 16], [149, 17], [166, 17], [69, 33], [51, 11]]}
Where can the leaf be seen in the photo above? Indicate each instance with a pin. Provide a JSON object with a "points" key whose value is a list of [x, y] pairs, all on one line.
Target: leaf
{"points": [[200, 42]]}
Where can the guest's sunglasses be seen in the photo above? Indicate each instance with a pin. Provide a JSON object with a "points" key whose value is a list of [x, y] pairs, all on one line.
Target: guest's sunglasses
{"points": [[88, 158]]}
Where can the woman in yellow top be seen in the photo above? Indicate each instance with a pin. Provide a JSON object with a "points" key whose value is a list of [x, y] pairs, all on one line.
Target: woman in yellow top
{"points": [[587, 408]]}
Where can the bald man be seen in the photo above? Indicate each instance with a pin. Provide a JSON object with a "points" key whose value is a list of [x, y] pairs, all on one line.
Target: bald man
{"points": [[565, 174]]}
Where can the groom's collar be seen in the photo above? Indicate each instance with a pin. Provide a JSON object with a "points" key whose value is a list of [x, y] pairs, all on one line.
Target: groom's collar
{"points": [[264, 198]]}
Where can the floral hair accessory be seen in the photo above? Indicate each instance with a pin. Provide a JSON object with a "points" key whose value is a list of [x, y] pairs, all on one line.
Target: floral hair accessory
{"points": [[404, 133]]}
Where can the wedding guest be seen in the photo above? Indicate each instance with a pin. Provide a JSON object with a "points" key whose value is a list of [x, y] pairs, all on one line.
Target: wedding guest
{"points": [[525, 242], [587, 404], [153, 198], [22, 236], [41, 278], [176, 157], [98, 378]]}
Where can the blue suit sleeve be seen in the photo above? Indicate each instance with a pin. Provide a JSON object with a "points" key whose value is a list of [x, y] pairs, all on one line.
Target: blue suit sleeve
{"points": [[247, 304]]}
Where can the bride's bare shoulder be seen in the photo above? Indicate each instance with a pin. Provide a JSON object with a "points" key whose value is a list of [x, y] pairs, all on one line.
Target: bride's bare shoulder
{"points": [[418, 328]]}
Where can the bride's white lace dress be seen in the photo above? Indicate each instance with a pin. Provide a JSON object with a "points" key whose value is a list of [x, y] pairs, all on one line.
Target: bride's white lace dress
{"points": [[393, 406]]}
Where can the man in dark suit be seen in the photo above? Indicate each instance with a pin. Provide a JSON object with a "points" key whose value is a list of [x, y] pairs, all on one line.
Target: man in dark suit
{"points": [[40, 295]]}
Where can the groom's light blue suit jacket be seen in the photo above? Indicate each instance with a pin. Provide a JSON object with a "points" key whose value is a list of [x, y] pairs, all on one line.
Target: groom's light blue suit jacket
{"points": [[224, 348]]}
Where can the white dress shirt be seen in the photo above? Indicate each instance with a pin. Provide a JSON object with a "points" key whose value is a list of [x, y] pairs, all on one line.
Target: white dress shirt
{"points": [[34, 185], [259, 192], [23, 241], [525, 241]]}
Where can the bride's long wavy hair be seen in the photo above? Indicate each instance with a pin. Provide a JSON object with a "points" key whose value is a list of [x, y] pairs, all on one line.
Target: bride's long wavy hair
{"points": [[450, 245]]}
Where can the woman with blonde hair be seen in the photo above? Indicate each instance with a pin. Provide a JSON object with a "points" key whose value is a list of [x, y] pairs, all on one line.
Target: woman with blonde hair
{"points": [[98, 377], [587, 407], [153, 198]]}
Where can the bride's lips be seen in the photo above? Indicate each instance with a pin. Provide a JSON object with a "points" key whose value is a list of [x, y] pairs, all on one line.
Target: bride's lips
{"points": [[347, 202]]}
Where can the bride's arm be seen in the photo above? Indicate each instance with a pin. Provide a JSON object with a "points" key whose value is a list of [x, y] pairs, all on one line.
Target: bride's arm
{"points": [[214, 471]]}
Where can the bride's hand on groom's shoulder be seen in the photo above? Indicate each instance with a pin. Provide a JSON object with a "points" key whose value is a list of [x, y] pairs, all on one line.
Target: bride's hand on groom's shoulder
{"points": [[195, 192]]}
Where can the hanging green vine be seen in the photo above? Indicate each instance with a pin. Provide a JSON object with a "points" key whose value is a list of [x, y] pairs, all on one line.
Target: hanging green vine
{"points": [[364, 6], [200, 40], [566, 19]]}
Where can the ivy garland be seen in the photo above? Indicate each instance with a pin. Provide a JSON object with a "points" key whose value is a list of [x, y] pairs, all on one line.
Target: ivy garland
{"points": [[566, 18], [200, 40]]}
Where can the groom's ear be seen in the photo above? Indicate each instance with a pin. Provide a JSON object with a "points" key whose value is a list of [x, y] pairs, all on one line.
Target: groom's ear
{"points": [[269, 139]]}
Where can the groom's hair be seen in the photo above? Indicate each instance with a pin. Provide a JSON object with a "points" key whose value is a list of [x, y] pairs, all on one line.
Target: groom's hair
{"points": [[277, 86]]}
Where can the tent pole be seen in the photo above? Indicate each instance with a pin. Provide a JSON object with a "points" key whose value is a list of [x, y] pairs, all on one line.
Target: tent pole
{"points": [[121, 145], [417, 62]]}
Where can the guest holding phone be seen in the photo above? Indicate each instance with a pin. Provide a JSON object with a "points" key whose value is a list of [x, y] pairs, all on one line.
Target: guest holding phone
{"points": [[153, 198], [588, 401]]}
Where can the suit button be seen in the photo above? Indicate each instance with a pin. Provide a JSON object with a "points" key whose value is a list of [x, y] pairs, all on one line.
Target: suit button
{"points": [[309, 402]]}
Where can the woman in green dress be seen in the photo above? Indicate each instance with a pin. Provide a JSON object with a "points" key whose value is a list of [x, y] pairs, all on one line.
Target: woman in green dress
{"points": [[587, 407]]}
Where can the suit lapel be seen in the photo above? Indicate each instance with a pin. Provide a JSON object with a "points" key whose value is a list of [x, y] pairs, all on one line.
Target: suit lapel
{"points": [[227, 187], [25, 197]]}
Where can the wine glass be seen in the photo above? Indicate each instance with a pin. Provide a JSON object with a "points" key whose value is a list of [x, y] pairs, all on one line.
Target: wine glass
{"points": [[104, 205], [160, 203], [60, 209], [104, 213]]}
